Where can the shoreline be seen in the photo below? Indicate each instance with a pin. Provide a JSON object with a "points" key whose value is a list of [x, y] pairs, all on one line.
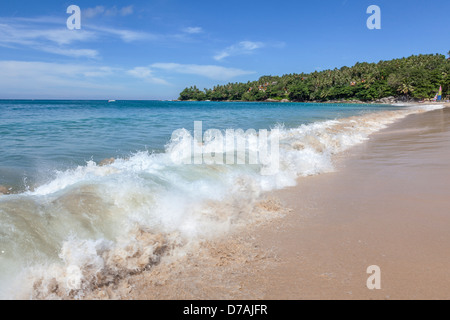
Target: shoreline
{"points": [[393, 103], [340, 223], [284, 237]]}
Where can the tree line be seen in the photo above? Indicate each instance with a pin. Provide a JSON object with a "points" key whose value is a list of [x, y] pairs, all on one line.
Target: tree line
{"points": [[416, 77]]}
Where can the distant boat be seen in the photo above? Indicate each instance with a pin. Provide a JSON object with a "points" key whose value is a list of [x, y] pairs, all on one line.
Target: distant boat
{"points": [[111, 100]]}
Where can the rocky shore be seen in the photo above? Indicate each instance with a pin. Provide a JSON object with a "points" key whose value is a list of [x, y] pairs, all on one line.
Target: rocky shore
{"points": [[386, 100]]}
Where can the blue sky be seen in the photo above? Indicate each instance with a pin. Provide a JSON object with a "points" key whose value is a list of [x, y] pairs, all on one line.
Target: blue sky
{"points": [[153, 49]]}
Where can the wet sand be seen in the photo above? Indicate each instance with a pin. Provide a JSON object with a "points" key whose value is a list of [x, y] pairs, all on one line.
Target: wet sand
{"points": [[387, 205]]}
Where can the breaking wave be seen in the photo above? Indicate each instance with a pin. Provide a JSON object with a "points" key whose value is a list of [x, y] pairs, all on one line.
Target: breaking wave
{"points": [[96, 224]]}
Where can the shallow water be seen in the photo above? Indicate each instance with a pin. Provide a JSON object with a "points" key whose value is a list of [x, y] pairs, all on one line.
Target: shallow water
{"points": [[39, 137]]}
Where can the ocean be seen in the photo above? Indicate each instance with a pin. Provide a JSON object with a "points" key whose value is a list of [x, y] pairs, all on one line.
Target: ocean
{"points": [[70, 223]]}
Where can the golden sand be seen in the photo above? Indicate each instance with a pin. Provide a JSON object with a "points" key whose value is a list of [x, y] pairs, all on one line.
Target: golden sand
{"points": [[388, 205]]}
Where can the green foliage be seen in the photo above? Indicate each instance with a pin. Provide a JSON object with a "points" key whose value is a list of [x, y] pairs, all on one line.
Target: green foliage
{"points": [[192, 93], [415, 77]]}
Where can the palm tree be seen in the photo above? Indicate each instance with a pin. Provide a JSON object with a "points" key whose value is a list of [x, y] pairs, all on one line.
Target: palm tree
{"points": [[406, 89]]}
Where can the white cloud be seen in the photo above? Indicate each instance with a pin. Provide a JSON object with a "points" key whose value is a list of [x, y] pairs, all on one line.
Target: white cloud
{"points": [[18, 69], [93, 12], [62, 36], [209, 71], [146, 74], [110, 12], [99, 71], [125, 11], [48, 40], [75, 53], [20, 34], [193, 30], [31, 78], [42, 19], [130, 35], [140, 72], [38, 35], [34, 79], [125, 34], [243, 47]]}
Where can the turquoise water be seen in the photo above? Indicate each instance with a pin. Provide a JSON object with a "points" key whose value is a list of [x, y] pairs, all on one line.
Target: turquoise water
{"points": [[39, 137]]}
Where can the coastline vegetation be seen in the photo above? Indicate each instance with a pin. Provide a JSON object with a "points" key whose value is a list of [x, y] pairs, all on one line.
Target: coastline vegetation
{"points": [[417, 77]]}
